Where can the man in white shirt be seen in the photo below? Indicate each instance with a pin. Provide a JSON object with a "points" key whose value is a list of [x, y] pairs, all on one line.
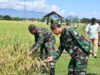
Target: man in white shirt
{"points": [[93, 30]]}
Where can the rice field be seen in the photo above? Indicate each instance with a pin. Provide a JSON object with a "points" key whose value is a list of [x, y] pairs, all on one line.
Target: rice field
{"points": [[15, 41]]}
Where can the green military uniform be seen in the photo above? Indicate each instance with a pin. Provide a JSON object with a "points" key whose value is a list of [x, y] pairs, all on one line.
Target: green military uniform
{"points": [[74, 46], [46, 41]]}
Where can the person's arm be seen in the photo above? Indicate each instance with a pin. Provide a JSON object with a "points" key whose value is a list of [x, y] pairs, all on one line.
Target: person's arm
{"points": [[99, 39], [99, 29], [59, 51], [56, 55], [86, 34], [38, 42], [99, 36], [86, 31], [36, 45]]}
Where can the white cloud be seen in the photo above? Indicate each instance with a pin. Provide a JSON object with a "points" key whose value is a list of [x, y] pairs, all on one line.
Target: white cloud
{"points": [[55, 8], [38, 5], [35, 5], [14, 4]]}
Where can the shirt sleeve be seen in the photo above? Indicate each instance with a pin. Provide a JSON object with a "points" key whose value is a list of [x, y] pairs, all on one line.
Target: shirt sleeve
{"points": [[59, 51], [50, 46], [98, 28], [38, 42], [87, 28]]}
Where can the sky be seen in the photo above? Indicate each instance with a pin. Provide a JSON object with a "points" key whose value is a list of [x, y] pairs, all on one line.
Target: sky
{"points": [[80, 8]]}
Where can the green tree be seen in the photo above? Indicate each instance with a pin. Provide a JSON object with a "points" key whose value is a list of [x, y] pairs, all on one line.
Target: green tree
{"points": [[17, 19], [1, 17], [7, 17], [67, 21], [75, 19], [85, 20]]}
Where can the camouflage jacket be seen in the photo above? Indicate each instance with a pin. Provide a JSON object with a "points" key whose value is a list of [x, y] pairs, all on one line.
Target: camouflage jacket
{"points": [[69, 43], [41, 37]]}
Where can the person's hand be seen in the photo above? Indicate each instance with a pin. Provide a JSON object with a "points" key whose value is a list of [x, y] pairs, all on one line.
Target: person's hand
{"points": [[98, 43], [48, 59], [89, 40], [29, 53]]}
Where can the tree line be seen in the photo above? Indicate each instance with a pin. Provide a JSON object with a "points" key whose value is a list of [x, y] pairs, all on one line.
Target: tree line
{"points": [[67, 20], [7, 17]]}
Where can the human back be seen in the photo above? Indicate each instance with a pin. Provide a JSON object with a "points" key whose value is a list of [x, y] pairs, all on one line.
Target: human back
{"points": [[93, 30]]}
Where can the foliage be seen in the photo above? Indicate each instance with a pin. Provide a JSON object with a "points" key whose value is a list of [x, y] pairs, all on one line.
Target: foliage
{"points": [[7, 17], [75, 20], [67, 21], [1, 16], [85, 20], [15, 41]]}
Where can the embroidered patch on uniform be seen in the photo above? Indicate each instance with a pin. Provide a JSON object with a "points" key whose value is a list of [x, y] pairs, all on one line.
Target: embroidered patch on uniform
{"points": [[75, 33]]}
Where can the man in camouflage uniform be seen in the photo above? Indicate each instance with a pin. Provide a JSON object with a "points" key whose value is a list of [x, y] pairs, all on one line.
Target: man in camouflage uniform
{"points": [[78, 48], [43, 39]]}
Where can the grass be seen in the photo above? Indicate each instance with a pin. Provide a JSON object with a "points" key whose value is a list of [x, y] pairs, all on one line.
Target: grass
{"points": [[15, 40]]}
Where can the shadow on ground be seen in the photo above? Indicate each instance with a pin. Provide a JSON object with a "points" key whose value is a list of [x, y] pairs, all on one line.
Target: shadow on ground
{"points": [[91, 74]]}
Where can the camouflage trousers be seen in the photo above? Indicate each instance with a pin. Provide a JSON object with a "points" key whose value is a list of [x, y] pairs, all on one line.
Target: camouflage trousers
{"points": [[78, 64]]}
